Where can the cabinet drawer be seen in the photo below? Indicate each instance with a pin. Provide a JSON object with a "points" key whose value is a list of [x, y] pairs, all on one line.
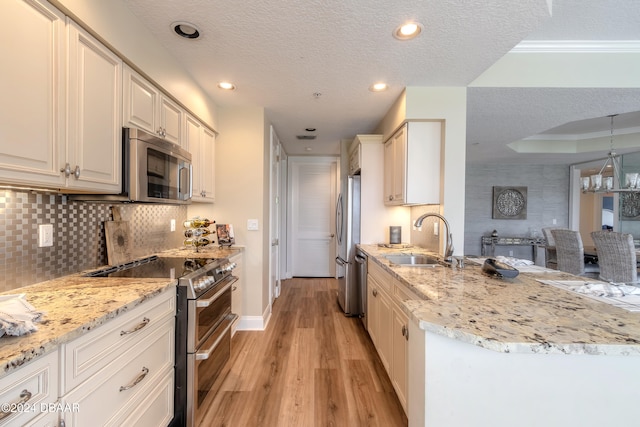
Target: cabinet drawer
{"points": [[402, 293], [382, 277], [91, 352], [156, 408], [125, 380], [31, 386]]}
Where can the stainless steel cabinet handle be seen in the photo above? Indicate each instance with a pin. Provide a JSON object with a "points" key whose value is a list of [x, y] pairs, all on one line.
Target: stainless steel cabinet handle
{"points": [[76, 172], [405, 332], [66, 170], [207, 302], [135, 382], [145, 322], [234, 288], [390, 198], [204, 354], [360, 259], [25, 395]]}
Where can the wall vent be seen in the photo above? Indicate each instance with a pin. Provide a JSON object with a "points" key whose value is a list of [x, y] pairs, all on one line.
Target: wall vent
{"points": [[307, 137]]}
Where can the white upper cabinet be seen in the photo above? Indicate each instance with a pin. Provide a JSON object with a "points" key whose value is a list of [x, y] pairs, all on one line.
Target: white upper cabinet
{"points": [[201, 145], [95, 98], [412, 164], [32, 114], [146, 108]]}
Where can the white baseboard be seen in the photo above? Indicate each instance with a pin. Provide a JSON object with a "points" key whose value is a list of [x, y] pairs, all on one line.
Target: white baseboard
{"points": [[255, 323]]}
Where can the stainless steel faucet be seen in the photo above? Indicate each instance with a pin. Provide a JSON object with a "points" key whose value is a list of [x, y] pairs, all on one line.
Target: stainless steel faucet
{"points": [[448, 252]]}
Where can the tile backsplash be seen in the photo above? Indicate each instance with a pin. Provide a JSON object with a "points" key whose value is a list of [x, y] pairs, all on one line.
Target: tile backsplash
{"points": [[78, 234]]}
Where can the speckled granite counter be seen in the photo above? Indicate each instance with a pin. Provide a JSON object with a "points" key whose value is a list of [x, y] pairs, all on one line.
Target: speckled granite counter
{"points": [[512, 315], [205, 252], [72, 306]]}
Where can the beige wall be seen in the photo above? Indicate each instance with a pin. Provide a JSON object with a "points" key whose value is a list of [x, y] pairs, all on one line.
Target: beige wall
{"points": [[111, 21], [240, 195]]}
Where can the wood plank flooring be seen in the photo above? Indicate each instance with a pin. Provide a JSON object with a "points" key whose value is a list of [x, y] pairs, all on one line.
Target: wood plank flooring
{"points": [[311, 367]]}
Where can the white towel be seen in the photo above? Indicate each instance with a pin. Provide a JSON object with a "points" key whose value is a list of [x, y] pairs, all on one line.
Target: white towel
{"points": [[607, 289], [514, 262], [17, 316]]}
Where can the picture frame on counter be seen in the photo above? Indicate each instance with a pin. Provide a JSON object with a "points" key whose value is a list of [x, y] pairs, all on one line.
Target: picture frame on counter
{"points": [[224, 232]]}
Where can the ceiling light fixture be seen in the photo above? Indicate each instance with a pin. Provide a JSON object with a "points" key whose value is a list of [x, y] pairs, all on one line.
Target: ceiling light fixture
{"points": [[310, 129], [186, 30], [226, 86], [378, 87], [598, 183], [408, 31]]}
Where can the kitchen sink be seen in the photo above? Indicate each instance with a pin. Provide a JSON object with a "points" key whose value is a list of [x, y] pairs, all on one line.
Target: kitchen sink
{"points": [[413, 260]]}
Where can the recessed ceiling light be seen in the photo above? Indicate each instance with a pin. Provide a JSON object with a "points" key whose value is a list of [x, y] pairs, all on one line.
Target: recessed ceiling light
{"points": [[378, 87], [408, 31], [186, 30], [226, 86], [310, 129], [307, 148]]}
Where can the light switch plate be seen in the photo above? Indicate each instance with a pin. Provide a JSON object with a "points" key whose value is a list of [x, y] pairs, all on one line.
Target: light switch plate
{"points": [[45, 235], [252, 224], [172, 225]]}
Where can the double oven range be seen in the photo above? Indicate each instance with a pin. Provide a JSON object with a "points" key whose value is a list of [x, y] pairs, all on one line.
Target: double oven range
{"points": [[203, 325]]}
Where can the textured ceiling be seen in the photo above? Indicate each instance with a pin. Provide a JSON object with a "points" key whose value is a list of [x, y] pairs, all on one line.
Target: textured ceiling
{"points": [[280, 53]]}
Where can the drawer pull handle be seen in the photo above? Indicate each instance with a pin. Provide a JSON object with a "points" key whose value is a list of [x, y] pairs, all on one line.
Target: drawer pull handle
{"points": [[405, 332], [135, 382], [145, 322], [25, 395], [375, 292]]}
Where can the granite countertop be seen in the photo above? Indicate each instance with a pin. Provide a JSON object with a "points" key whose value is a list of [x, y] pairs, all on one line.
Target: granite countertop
{"points": [[74, 305], [512, 315], [204, 252]]}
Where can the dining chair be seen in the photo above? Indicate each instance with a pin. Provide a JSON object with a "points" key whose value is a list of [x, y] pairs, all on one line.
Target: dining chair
{"points": [[570, 253], [616, 256], [550, 256]]}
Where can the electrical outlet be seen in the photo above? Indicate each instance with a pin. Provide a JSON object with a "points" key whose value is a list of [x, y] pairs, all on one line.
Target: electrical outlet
{"points": [[510, 253], [436, 228], [554, 221], [252, 224], [45, 235], [172, 225]]}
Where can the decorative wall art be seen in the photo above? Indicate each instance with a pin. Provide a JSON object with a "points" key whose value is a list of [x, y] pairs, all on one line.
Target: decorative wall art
{"points": [[509, 203], [630, 206]]}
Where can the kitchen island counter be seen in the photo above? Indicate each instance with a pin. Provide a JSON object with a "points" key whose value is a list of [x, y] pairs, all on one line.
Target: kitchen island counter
{"points": [[73, 305], [484, 351]]}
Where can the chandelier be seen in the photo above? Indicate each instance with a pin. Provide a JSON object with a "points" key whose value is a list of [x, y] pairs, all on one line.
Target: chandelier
{"points": [[606, 184]]}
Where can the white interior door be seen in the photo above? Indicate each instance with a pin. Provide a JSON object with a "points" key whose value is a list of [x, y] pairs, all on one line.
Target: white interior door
{"points": [[274, 215], [313, 183]]}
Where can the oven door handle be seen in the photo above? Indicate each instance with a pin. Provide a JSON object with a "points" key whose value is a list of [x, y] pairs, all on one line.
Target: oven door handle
{"points": [[207, 302], [204, 354]]}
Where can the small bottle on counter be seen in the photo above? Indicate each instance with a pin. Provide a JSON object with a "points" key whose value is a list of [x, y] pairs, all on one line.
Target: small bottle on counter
{"points": [[197, 223], [196, 232], [201, 241]]}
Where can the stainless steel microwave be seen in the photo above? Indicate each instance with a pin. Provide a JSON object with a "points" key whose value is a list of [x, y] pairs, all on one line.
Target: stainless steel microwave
{"points": [[153, 171], [158, 171]]}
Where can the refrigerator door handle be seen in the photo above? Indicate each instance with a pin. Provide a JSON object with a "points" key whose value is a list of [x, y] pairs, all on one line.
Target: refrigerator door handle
{"points": [[339, 221], [340, 261]]}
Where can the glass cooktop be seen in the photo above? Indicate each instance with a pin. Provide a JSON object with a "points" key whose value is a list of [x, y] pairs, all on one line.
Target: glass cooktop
{"points": [[154, 267]]}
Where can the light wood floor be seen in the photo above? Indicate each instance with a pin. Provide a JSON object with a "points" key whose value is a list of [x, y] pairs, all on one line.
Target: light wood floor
{"points": [[311, 367]]}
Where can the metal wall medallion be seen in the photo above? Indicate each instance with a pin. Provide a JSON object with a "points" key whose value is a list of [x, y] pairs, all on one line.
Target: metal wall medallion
{"points": [[509, 202], [630, 206]]}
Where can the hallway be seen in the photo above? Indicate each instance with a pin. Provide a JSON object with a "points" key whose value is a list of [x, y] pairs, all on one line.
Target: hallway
{"points": [[311, 367]]}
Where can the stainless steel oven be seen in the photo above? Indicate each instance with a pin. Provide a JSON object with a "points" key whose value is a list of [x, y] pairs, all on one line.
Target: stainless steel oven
{"points": [[203, 326]]}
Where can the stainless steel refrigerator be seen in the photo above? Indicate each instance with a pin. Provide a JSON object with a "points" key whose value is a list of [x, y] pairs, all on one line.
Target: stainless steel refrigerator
{"points": [[348, 235]]}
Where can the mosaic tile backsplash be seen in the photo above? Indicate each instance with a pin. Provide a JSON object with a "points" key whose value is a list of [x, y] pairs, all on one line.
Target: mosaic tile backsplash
{"points": [[79, 241]]}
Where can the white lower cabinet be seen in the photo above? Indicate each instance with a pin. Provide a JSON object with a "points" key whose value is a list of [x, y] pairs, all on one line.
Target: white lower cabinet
{"points": [[119, 374], [388, 326], [26, 390], [111, 370]]}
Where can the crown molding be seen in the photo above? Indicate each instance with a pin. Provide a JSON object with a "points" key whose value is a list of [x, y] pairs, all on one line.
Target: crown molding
{"points": [[577, 46]]}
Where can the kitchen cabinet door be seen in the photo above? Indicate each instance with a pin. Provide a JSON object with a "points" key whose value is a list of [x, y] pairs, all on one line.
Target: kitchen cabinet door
{"points": [[412, 164], [32, 114], [171, 121], [237, 291], [400, 345], [140, 102], [94, 148], [201, 143]]}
